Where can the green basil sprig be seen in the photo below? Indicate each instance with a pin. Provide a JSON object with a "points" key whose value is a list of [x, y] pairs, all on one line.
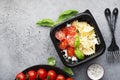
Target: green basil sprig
{"points": [[46, 22], [66, 15], [52, 61], [68, 70], [62, 17]]}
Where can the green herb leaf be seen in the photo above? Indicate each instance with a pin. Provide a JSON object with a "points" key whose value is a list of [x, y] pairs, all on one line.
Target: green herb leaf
{"points": [[51, 61], [68, 70], [79, 54], [46, 22], [66, 15], [77, 42]]}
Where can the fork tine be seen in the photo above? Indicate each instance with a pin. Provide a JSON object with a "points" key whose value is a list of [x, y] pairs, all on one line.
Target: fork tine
{"points": [[110, 57], [119, 56], [107, 56], [113, 57], [116, 56]]}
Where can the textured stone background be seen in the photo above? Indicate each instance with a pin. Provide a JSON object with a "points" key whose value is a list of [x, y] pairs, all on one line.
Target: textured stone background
{"points": [[23, 44]]}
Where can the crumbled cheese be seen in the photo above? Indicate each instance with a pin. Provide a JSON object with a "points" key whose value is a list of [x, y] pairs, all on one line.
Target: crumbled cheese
{"points": [[74, 58], [68, 25], [69, 57]]}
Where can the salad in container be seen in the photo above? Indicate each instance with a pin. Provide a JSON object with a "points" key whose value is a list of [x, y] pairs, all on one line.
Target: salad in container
{"points": [[78, 39]]}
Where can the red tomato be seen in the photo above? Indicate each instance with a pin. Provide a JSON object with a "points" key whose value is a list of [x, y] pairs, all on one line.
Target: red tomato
{"points": [[60, 77], [70, 51], [51, 75], [63, 44], [32, 75], [20, 76], [60, 35], [69, 79], [71, 41], [65, 31], [71, 31], [41, 73]]}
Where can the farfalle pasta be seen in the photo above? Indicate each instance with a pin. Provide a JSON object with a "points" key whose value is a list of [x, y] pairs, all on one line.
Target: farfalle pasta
{"points": [[87, 37]]}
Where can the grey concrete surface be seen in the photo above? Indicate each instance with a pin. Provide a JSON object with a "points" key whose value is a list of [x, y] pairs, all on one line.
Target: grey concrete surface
{"points": [[23, 44]]}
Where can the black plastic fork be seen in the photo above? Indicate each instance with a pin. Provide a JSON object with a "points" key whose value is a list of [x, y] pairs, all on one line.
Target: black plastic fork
{"points": [[113, 50]]}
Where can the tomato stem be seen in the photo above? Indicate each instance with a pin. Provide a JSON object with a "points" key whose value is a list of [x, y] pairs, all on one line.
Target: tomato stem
{"points": [[27, 76], [37, 76], [17, 79], [48, 77]]}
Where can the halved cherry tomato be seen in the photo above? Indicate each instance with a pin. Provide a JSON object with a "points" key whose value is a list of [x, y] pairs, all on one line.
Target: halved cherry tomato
{"points": [[63, 44], [60, 77], [41, 73], [71, 31], [65, 31], [32, 75], [20, 76], [69, 79], [51, 75], [71, 41], [70, 51], [60, 35]]}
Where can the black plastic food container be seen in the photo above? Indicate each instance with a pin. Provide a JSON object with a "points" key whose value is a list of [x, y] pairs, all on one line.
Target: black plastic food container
{"points": [[47, 68], [84, 16]]}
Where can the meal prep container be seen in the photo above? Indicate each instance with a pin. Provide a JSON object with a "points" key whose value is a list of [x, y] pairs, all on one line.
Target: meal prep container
{"points": [[84, 16]]}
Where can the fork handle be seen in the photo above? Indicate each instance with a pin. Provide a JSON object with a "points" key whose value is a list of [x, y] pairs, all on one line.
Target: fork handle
{"points": [[108, 15], [113, 23], [109, 20], [114, 17]]}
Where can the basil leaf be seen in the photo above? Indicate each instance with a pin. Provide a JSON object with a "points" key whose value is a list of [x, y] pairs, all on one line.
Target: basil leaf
{"points": [[51, 61], [66, 15], [46, 22], [77, 42], [68, 70], [79, 54]]}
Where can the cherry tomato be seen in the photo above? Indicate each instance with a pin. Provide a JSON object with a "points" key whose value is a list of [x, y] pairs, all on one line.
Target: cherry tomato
{"points": [[65, 31], [60, 77], [71, 41], [32, 75], [71, 31], [60, 35], [20, 76], [69, 79], [63, 44], [41, 73], [70, 51], [51, 75]]}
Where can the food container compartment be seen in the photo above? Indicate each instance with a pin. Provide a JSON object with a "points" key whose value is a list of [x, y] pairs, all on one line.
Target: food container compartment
{"points": [[84, 16]]}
